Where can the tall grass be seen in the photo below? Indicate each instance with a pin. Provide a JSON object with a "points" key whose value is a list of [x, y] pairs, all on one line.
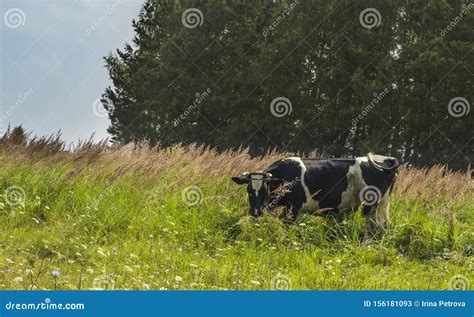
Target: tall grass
{"points": [[135, 217]]}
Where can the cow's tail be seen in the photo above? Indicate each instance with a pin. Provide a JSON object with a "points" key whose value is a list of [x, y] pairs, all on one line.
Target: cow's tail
{"points": [[393, 163]]}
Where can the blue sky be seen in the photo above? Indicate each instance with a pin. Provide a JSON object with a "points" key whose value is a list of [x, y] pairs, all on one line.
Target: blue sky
{"points": [[51, 69]]}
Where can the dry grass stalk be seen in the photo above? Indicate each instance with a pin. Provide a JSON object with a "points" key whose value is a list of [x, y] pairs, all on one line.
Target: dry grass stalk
{"points": [[195, 161]]}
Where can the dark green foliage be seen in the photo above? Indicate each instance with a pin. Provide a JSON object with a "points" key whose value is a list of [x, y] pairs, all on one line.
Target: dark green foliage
{"points": [[353, 89]]}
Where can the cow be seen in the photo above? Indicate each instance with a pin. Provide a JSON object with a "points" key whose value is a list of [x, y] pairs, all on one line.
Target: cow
{"points": [[333, 186]]}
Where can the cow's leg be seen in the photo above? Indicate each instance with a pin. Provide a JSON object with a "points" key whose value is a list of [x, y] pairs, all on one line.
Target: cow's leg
{"points": [[376, 218], [382, 215], [370, 222]]}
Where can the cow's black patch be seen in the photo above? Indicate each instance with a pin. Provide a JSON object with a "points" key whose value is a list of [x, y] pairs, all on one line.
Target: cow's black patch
{"points": [[383, 180], [327, 178]]}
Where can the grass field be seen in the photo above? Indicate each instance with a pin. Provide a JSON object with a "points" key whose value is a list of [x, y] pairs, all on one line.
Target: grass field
{"points": [[128, 218]]}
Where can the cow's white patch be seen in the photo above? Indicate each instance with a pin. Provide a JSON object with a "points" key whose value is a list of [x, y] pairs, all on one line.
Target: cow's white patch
{"points": [[355, 183], [257, 182], [310, 204]]}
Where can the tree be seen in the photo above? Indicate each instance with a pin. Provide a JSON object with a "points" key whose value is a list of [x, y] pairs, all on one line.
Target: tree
{"points": [[339, 77]]}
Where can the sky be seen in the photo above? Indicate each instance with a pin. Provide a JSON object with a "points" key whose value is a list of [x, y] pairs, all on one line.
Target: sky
{"points": [[52, 70]]}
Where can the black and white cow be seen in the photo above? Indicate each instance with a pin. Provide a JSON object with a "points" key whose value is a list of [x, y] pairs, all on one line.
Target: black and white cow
{"points": [[325, 187]]}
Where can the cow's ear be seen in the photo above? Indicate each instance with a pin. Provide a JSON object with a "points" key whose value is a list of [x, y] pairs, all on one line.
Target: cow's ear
{"points": [[239, 180]]}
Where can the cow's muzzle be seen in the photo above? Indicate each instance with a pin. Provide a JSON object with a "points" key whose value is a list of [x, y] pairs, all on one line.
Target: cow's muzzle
{"points": [[256, 212]]}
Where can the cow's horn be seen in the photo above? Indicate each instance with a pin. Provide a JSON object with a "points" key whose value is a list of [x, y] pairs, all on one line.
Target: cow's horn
{"points": [[268, 175], [245, 174]]}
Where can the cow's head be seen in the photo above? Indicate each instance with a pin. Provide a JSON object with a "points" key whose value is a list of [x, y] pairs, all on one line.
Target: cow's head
{"points": [[257, 189]]}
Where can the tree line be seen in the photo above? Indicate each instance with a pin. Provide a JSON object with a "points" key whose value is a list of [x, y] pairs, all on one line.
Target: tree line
{"points": [[339, 77]]}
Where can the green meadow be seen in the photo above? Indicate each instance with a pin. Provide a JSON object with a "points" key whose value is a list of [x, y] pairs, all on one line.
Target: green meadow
{"points": [[121, 217]]}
